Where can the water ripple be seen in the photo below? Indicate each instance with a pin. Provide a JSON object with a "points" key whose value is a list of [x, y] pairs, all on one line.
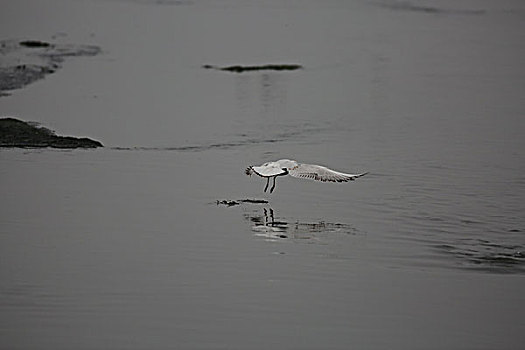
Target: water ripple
{"points": [[485, 255], [291, 133]]}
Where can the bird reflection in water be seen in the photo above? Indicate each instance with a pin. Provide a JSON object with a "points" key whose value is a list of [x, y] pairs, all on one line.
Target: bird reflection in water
{"points": [[270, 226]]}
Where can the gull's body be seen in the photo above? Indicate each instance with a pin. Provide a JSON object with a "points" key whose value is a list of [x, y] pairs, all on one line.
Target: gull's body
{"points": [[285, 167]]}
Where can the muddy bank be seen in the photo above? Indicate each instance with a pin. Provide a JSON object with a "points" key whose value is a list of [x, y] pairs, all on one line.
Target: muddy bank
{"points": [[17, 133], [24, 62], [265, 67]]}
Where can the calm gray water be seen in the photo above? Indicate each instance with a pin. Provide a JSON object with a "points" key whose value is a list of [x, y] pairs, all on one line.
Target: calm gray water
{"points": [[125, 247]]}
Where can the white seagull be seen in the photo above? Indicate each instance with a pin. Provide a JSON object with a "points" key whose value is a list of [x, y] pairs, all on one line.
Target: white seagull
{"points": [[284, 167]]}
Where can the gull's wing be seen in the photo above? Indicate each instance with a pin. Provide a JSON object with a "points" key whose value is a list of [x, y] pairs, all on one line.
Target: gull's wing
{"points": [[321, 173], [271, 169]]}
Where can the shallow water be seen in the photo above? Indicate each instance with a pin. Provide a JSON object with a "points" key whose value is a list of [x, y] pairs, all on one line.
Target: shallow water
{"points": [[126, 246]]}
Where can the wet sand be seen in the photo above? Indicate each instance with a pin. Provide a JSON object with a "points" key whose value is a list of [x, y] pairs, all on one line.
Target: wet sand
{"points": [[128, 247]]}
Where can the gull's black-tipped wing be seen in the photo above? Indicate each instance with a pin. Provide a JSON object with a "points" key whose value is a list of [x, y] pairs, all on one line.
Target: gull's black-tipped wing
{"points": [[321, 173]]}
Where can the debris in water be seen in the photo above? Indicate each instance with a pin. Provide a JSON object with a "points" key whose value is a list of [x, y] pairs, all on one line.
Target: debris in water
{"points": [[231, 202]]}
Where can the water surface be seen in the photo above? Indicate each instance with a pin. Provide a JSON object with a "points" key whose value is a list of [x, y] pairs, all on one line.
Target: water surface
{"points": [[126, 247]]}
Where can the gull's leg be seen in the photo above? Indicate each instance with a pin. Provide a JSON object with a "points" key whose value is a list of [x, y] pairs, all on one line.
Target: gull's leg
{"points": [[271, 190], [267, 183]]}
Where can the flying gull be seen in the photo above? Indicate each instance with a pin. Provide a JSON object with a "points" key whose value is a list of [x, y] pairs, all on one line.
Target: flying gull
{"points": [[284, 167]]}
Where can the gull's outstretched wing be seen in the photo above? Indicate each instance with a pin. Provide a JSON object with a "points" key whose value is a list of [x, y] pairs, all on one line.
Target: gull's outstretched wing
{"points": [[267, 170], [321, 173]]}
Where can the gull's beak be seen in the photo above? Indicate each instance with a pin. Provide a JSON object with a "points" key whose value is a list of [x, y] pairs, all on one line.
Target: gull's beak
{"points": [[249, 171]]}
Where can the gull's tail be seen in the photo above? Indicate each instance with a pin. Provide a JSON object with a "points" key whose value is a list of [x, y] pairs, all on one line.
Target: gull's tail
{"points": [[249, 171]]}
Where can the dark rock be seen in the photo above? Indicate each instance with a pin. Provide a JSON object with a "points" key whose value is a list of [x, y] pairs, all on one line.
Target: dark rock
{"points": [[17, 133], [34, 43], [242, 69]]}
